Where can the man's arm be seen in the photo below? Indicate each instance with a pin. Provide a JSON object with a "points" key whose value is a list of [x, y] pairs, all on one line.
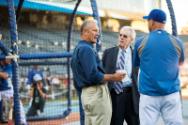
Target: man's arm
{"points": [[135, 73], [182, 57], [136, 58], [114, 77], [92, 74], [6, 72], [181, 49], [40, 90], [4, 75]]}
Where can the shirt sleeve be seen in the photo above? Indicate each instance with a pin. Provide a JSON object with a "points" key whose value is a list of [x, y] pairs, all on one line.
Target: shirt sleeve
{"points": [[136, 58], [182, 56], [89, 65], [8, 70]]}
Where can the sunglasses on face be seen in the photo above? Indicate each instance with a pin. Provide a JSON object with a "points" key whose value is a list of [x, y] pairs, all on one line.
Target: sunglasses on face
{"points": [[123, 35]]}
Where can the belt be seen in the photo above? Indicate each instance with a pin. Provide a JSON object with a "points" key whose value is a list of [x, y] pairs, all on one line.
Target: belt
{"points": [[127, 89]]}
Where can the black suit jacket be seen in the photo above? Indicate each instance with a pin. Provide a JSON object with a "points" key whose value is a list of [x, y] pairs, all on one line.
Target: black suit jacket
{"points": [[109, 61]]}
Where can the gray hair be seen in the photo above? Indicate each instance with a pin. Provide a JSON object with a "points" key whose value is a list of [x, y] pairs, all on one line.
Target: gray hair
{"points": [[86, 24], [130, 31]]}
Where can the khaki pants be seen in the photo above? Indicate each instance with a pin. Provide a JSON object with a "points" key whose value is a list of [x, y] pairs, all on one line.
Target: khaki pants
{"points": [[97, 105]]}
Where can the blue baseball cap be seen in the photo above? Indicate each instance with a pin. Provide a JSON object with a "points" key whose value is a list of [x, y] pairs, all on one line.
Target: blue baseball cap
{"points": [[157, 15]]}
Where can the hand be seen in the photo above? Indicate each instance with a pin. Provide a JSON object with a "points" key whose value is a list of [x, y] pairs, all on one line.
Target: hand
{"points": [[38, 86], [118, 76], [52, 96], [46, 96]]}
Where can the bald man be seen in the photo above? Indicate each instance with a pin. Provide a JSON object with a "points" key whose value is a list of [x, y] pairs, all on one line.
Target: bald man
{"points": [[90, 78]]}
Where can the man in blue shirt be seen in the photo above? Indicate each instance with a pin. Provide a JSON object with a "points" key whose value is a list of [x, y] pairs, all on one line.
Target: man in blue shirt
{"points": [[90, 78], [6, 88], [158, 56], [35, 70]]}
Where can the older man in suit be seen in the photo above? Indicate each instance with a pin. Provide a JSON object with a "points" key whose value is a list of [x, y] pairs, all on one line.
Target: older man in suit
{"points": [[124, 94]]}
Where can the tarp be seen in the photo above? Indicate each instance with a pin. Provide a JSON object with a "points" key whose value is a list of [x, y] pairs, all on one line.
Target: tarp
{"points": [[48, 6]]}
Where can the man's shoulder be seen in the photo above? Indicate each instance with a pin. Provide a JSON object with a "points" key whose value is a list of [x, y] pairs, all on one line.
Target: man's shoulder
{"points": [[139, 40], [84, 47], [110, 49], [177, 39]]}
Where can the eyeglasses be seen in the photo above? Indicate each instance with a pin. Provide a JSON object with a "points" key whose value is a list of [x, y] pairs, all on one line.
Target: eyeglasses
{"points": [[124, 36]]}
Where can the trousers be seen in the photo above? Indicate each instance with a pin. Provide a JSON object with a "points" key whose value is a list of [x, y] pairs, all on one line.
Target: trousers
{"points": [[97, 105], [168, 107]]}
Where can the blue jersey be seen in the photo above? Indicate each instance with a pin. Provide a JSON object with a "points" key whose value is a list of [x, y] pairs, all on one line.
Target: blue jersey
{"points": [[31, 74], [158, 58], [6, 84]]}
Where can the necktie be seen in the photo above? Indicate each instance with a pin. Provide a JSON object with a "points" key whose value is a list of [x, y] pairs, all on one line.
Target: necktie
{"points": [[118, 87], [121, 62]]}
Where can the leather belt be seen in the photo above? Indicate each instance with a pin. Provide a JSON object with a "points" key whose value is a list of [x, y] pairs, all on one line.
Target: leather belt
{"points": [[127, 89]]}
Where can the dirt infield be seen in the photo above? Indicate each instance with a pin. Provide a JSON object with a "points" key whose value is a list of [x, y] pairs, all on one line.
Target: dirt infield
{"points": [[71, 118]]}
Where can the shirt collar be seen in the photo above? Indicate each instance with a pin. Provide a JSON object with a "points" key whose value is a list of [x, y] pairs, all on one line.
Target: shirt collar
{"points": [[88, 43], [125, 50], [158, 30]]}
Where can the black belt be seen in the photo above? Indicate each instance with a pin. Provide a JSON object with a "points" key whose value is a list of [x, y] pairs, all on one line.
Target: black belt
{"points": [[127, 89]]}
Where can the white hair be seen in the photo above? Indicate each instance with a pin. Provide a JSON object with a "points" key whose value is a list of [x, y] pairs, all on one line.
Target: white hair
{"points": [[130, 31]]}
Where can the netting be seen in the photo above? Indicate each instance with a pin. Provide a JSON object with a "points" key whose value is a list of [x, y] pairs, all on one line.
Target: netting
{"points": [[33, 40]]}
